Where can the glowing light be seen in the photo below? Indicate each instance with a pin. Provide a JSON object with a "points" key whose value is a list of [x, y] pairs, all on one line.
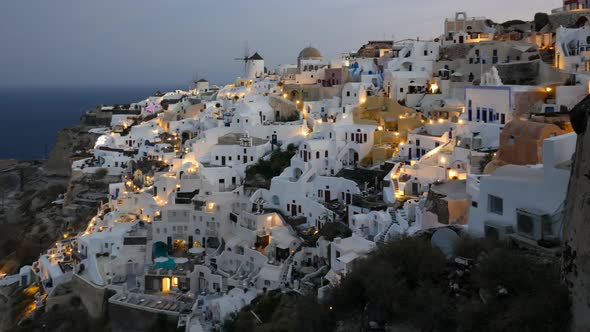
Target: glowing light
{"points": [[461, 121], [434, 88], [297, 102], [452, 174], [548, 89], [363, 100], [285, 95], [443, 160], [380, 128], [211, 206], [441, 120]]}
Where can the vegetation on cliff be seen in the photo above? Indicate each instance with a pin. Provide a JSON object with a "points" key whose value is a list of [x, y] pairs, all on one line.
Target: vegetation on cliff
{"points": [[407, 284], [260, 174]]}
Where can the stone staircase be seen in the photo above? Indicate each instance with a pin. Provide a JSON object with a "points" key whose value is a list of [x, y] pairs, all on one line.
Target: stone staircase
{"points": [[381, 238], [287, 267]]}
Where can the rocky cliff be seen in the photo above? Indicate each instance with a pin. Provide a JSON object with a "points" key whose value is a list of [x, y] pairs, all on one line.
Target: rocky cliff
{"points": [[70, 145]]}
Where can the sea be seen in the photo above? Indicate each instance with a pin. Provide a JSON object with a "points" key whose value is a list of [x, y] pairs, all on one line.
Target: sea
{"points": [[32, 116]]}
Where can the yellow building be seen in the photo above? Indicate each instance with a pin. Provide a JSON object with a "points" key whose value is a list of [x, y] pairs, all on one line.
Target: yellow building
{"points": [[393, 120]]}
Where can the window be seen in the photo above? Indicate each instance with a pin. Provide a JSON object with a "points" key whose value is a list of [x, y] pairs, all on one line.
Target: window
{"points": [[317, 155], [495, 204], [511, 140], [347, 93]]}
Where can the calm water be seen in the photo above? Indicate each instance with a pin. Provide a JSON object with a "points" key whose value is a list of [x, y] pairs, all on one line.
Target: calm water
{"points": [[31, 117]]}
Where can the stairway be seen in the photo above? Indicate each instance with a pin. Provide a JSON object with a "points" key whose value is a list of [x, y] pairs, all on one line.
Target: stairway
{"points": [[287, 266], [383, 236]]}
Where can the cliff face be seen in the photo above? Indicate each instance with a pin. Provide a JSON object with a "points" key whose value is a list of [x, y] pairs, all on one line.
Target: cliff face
{"points": [[29, 220], [70, 143], [576, 232]]}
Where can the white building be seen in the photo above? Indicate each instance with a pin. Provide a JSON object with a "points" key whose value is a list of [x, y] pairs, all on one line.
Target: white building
{"points": [[527, 200]]}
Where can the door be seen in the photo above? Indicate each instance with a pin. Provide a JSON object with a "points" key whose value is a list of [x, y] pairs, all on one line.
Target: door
{"points": [[348, 198], [293, 210], [201, 287], [461, 39], [222, 160], [245, 159], [414, 189], [327, 197], [410, 153]]}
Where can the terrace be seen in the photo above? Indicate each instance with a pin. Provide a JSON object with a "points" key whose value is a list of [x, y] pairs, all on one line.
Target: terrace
{"points": [[169, 305]]}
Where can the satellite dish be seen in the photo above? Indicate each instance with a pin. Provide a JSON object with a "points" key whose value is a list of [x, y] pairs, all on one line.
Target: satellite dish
{"points": [[444, 239]]}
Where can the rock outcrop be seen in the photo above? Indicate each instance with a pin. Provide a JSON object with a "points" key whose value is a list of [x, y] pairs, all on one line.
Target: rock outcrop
{"points": [[576, 231], [70, 145]]}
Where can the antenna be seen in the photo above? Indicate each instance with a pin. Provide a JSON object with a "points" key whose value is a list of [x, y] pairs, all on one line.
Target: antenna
{"points": [[246, 57]]}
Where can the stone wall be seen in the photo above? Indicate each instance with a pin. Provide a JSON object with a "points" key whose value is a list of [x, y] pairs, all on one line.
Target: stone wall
{"points": [[127, 319], [94, 298]]}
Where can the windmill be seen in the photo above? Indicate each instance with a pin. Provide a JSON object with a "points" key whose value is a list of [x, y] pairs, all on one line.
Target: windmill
{"points": [[246, 58]]}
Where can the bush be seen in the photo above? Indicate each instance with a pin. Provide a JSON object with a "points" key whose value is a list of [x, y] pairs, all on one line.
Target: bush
{"points": [[274, 166], [485, 161], [100, 173], [407, 281], [399, 278], [536, 300], [541, 20]]}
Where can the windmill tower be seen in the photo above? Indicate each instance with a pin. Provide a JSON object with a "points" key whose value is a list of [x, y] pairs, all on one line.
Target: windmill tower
{"points": [[253, 65]]}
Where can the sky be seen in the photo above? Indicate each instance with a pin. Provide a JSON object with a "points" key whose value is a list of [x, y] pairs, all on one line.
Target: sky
{"points": [[147, 42]]}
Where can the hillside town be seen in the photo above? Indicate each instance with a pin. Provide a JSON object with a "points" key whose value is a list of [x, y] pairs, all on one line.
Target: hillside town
{"points": [[286, 178]]}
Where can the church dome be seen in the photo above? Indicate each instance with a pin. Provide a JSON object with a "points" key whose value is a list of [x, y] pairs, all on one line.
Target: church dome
{"points": [[309, 53]]}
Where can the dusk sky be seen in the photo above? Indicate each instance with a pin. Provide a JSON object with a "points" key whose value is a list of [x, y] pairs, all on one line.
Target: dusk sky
{"points": [[122, 42]]}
